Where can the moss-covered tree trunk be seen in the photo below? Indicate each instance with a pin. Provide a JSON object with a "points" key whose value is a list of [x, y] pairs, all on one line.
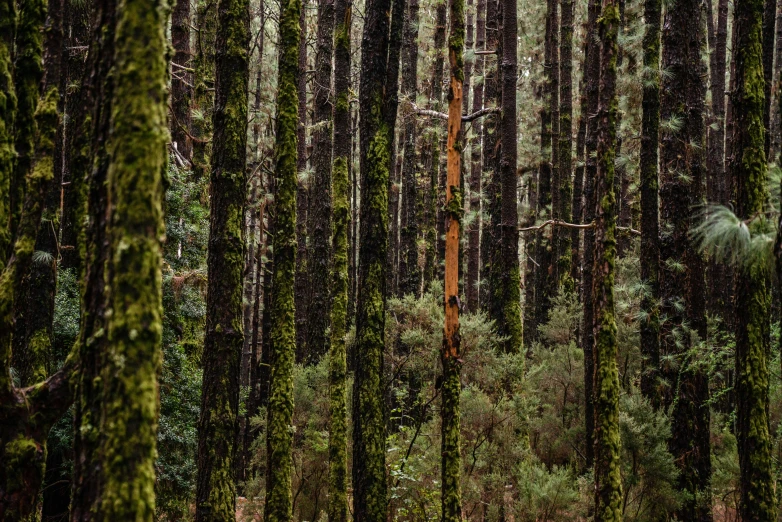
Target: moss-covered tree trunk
{"points": [[748, 169], [369, 439], [224, 336], [319, 265], [203, 86], [563, 238], [592, 85], [472, 284], [134, 328], [7, 114], [650, 248], [340, 186], [181, 79], [769, 26], [282, 326], [608, 482], [450, 355], [409, 272], [681, 280]]}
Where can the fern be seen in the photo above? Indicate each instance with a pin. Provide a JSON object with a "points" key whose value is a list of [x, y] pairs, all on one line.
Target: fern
{"points": [[42, 258]]}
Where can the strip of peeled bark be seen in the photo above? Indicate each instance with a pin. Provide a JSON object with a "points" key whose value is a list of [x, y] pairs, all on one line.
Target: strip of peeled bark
{"points": [[608, 481], [319, 265], [138, 160], [224, 336], [409, 272], [369, 438], [282, 327], [650, 248], [753, 300], [338, 411], [682, 175], [451, 352]]}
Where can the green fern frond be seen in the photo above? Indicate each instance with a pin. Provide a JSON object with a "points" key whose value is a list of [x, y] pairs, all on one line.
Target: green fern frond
{"points": [[42, 258]]}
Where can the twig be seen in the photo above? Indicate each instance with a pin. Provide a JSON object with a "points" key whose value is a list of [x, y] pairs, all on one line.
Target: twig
{"points": [[560, 223], [443, 116]]}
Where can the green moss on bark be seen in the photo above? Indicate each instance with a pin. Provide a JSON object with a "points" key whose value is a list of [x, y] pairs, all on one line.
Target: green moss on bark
{"points": [[137, 161], [7, 112], [608, 480], [283, 327]]}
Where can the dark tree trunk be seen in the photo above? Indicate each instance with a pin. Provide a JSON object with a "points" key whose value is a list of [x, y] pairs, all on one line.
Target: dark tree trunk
{"points": [[682, 290], [592, 81], [748, 169], [438, 166], [472, 285], [509, 278], [338, 415], [301, 284], [181, 79], [769, 26], [204, 82], [409, 272], [224, 336], [650, 247], [608, 482], [369, 473], [282, 322], [563, 237], [320, 203]]}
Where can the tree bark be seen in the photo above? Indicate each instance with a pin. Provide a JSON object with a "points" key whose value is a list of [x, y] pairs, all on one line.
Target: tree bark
{"points": [[224, 336], [681, 161], [282, 326], [182, 79], [320, 203], [301, 282], [204, 82], [608, 482], [563, 238], [409, 272], [748, 169], [769, 26]]}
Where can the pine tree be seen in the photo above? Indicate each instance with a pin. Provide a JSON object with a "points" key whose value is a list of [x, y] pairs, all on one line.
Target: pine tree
{"points": [[608, 483], [563, 238], [282, 326], [748, 169], [203, 86], [224, 336], [181, 90], [301, 281]]}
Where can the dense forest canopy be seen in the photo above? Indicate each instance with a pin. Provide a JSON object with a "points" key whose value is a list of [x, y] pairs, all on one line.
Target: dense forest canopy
{"points": [[486, 260]]}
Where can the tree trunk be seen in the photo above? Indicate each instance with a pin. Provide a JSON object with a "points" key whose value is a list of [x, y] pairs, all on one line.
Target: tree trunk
{"points": [[769, 26], [563, 238], [748, 168], [320, 202], [338, 414], [301, 281], [369, 473], [409, 272], [650, 247], [133, 359], [224, 336], [592, 82], [681, 162], [204, 82], [608, 482], [7, 152], [181, 79], [472, 285], [282, 327], [450, 355]]}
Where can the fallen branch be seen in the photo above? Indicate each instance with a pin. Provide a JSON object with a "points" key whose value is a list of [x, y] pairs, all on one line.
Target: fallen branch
{"points": [[443, 116]]}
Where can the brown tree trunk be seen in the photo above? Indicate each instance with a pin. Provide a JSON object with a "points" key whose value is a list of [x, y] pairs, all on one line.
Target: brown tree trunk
{"points": [[302, 288], [181, 79]]}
